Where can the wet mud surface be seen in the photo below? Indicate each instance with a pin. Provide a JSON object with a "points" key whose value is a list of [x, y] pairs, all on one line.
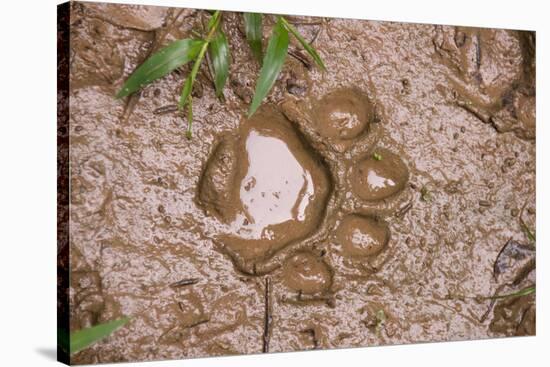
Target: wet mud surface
{"points": [[381, 202]]}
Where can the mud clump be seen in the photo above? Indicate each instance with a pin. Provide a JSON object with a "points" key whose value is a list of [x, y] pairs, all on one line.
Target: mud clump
{"points": [[525, 109], [379, 176], [307, 273], [493, 75], [189, 309], [362, 236], [218, 176], [515, 316], [266, 185]]}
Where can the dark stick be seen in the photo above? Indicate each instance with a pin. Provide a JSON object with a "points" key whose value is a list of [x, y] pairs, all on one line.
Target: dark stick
{"points": [[404, 210], [315, 35], [197, 323], [185, 282], [300, 57], [267, 315], [301, 299], [166, 109]]}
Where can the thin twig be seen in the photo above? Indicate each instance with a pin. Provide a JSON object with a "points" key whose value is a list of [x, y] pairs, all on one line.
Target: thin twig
{"points": [[185, 282], [404, 210], [197, 323], [301, 299], [267, 315], [166, 109], [314, 38], [300, 57]]}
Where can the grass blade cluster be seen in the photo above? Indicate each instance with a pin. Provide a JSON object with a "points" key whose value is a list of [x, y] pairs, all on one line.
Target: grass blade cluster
{"points": [[181, 52]]}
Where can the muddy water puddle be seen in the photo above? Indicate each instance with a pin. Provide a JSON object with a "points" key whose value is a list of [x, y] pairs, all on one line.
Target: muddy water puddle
{"points": [[276, 189], [384, 201]]}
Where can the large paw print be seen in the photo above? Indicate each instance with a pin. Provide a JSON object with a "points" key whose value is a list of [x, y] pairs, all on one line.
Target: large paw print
{"points": [[301, 180]]}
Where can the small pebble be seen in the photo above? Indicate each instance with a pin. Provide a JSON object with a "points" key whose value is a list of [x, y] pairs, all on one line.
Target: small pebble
{"points": [[484, 203], [514, 212]]}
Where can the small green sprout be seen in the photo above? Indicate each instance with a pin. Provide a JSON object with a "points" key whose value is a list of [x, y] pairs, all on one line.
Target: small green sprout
{"points": [[380, 320], [425, 194]]}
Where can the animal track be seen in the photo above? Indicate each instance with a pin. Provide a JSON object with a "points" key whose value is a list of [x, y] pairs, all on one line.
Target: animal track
{"points": [[283, 184], [493, 73]]}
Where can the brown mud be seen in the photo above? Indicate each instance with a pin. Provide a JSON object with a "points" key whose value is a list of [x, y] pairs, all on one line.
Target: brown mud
{"points": [[381, 202]]}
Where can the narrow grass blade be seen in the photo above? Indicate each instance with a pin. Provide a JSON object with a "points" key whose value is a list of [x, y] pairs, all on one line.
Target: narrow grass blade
{"points": [[219, 52], [189, 133], [214, 20], [274, 59], [84, 338], [305, 44], [530, 234], [523, 292], [253, 30], [161, 63], [188, 86]]}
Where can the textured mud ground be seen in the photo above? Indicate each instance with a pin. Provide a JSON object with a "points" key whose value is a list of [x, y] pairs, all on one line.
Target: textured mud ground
{"points": [[362, 206]]}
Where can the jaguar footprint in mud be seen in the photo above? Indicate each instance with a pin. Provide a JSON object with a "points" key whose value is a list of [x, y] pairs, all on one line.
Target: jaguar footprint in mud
{"points": [[266, 186], [389, 199]]}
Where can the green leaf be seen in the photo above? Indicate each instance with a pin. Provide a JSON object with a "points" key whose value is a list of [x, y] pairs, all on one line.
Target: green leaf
{"points": [[161, 63], [305, 44], [253, 30], [274, 59], [82, 339], [219, 51]]}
